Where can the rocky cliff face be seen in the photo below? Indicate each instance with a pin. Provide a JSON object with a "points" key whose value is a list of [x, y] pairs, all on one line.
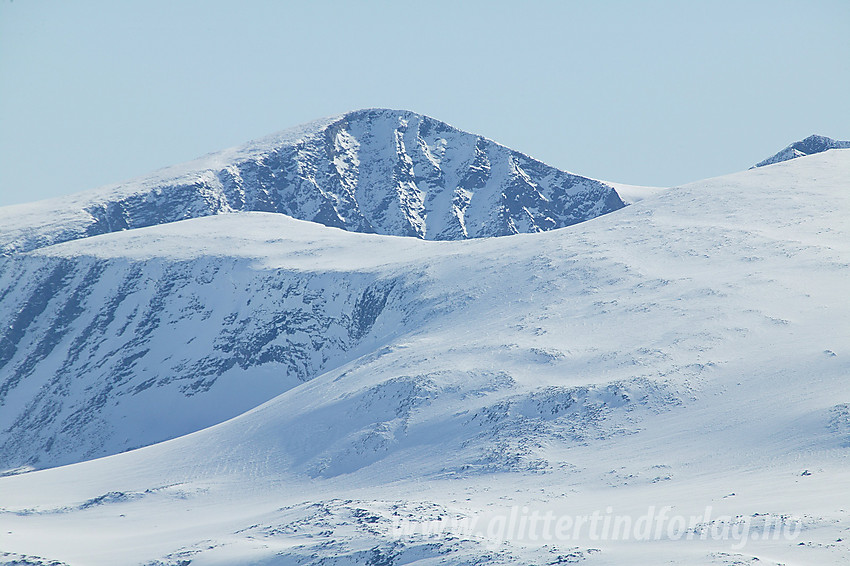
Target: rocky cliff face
{"points": [[377, 171]]}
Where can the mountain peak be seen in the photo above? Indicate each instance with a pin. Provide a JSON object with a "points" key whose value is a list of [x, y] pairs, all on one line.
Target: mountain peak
{"points": [[376, 170], [813, 144]]}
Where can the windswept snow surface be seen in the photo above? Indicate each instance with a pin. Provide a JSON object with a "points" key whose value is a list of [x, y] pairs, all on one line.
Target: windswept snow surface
{"points": [[688, 354]]}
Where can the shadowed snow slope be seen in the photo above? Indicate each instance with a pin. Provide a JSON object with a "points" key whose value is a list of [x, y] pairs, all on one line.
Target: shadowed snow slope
{"points": [[689, 351], [382, 171]]}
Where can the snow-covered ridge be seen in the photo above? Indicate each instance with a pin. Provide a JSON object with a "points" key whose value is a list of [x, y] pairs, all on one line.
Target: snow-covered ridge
{"points": [[382, 171], [809, 146]]}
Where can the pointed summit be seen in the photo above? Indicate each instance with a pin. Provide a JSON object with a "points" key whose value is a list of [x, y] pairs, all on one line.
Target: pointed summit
{"points": [[381, 171]]}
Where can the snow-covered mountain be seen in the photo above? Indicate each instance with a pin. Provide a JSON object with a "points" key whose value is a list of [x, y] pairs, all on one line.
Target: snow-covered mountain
{"points": [[118, 341], [376, 171], [809, 146], [689, 350], [92, 344]]}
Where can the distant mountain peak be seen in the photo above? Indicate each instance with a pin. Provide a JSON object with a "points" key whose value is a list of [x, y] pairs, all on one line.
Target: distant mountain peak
{"points": [[392, 172], [808, 146]]}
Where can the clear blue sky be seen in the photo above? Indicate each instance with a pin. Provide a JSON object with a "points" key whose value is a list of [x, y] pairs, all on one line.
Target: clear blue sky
{"points": [[657, 93]]}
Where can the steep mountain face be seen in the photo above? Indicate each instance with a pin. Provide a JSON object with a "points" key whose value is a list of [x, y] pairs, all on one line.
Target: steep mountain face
{"points": [[376, 171], [102, 350], [810, 145]]}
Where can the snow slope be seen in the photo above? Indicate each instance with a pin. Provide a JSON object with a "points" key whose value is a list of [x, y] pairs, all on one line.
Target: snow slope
{"points": [[378, 171], [690, 351], [118, 341]]}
